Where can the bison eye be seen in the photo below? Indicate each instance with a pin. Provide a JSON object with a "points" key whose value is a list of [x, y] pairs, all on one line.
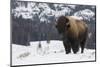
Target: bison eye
{"points": [[67, 20], [68, 25]]}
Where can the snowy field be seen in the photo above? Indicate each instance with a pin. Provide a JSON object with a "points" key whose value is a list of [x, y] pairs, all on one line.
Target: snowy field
{"points": [[52, 52]]}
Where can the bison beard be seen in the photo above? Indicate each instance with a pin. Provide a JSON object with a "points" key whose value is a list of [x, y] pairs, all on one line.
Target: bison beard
{"points": [[74, 33]]}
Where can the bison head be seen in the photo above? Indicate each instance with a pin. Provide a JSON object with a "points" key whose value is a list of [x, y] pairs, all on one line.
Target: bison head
{"points": [[62, 23]]}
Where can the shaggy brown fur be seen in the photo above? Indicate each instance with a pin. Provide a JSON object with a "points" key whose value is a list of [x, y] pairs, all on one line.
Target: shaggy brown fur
{"points": [[74, 33]]}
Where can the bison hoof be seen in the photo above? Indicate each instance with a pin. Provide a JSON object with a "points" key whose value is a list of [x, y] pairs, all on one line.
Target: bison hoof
{"points": [[67, 52], [75, 52], [82, 52]]}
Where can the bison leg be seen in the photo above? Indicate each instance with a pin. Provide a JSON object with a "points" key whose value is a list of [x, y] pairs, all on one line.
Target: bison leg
{"points": [[82, 44], [75, 46], [82, 47], [67, 46]]}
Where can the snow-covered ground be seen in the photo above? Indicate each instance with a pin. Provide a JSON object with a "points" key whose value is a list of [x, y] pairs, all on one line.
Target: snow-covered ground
{"points": [[52, 52]]}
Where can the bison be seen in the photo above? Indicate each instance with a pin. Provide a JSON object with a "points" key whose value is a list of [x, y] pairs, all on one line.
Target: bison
{"points": [[74, 32]]}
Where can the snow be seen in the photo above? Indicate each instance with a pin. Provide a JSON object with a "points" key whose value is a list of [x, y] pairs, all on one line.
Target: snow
{"points": [[52, 52], [62, 12], [31, 4], [86, 14], [43, 11], [72, 6], [22, 10], [26, 12], [47, 13], [35, 10], [43, 5]]}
